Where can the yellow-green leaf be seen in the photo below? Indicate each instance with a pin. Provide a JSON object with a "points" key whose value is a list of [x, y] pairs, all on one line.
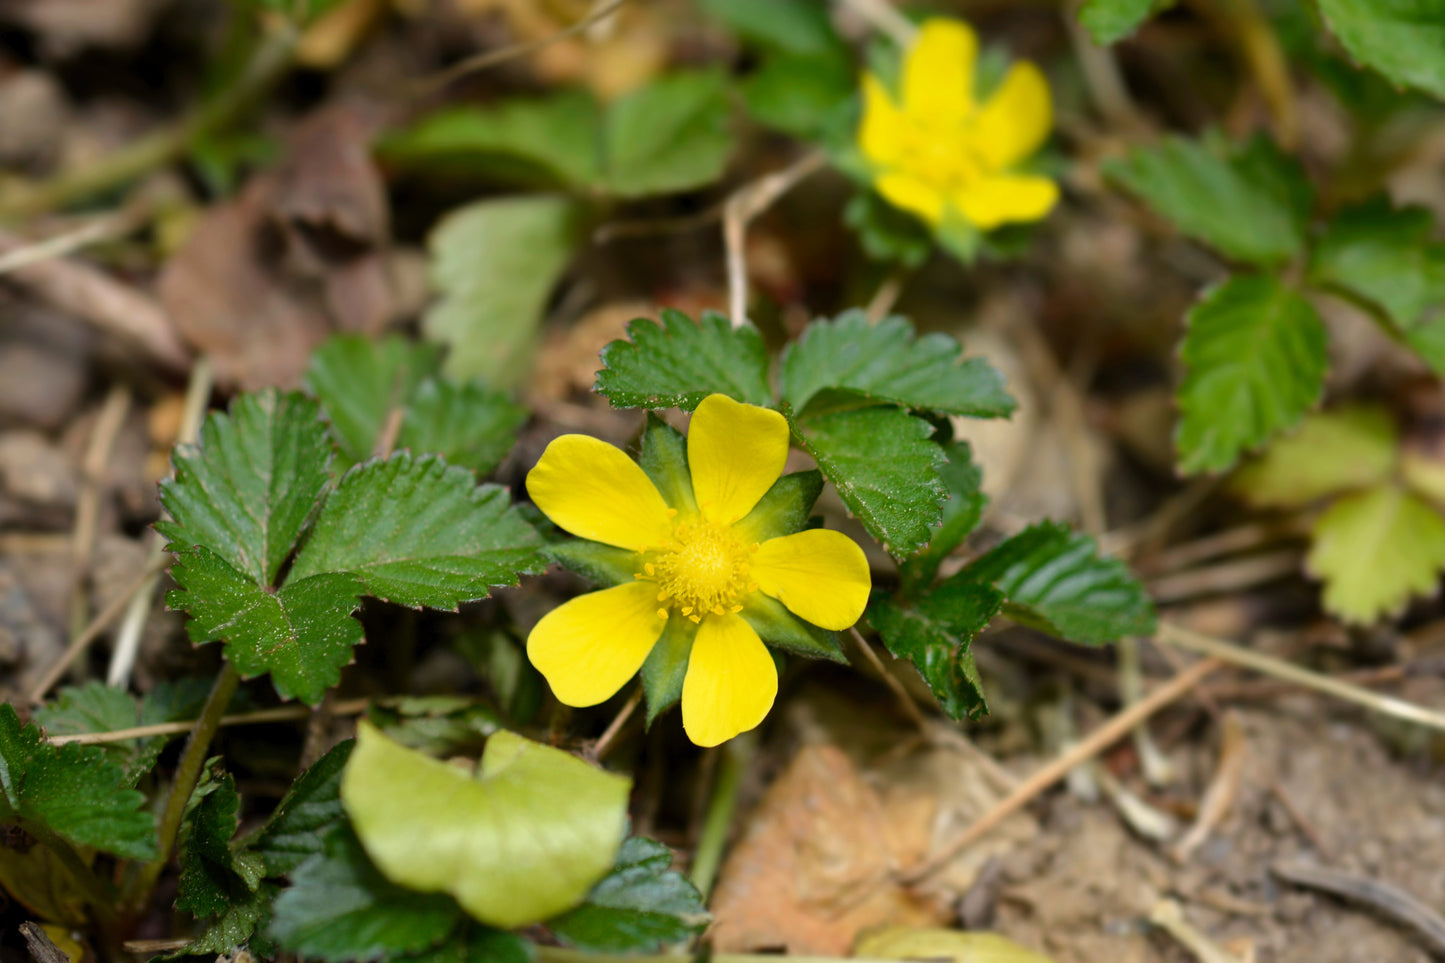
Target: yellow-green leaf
{"points": [[1375, 549], [523, 840], [954, 946], [1331, 452], [1424, 475]]}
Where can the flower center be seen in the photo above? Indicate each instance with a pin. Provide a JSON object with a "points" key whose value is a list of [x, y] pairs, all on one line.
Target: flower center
{"points": [[703, 571], [943, 156]]}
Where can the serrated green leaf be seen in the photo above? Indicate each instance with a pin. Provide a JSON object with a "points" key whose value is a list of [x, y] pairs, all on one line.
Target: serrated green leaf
{"points": [[640, 907], [669, 135], [494, 262], [440, 726], [936, 633], [520, 842], [678, 363], [885, 363], [1374, 550], [796, 26], [468, 425], [886, 470], [214, 876], [301, 820], [246, 492], [1249, 201], [359, 381], [1256, 354], [1402, 39], [97, 707], [961, 513], [665, 668], [1054, 580], [419, 532], [340, 908], [73, 791], [1331, 452], [475, 943], [1109, 21], [799, 94], [236, 926]]}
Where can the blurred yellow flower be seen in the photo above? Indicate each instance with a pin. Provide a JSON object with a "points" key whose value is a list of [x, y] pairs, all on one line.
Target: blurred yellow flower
{"points": [[699, 560], [939, 151]]}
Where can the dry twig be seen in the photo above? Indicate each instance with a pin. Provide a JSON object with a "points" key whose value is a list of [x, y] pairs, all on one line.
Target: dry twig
{"points": [[1387, 900]]}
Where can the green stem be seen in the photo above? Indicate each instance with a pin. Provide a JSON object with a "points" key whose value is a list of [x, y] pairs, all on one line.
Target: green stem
{"points": [[97, 892], [188, 773], [721, 805]]}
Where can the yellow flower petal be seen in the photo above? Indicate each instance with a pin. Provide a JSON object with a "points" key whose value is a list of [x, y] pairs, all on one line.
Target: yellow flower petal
{"points": [[938, 74], [589, 647], [912, 194], [884, 130], [593, 490], [731, 681], [1007, 198], [820, 575], [1016, 119], [735, 452]]}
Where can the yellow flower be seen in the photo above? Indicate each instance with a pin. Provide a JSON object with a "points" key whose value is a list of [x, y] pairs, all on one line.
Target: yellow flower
{"points": [[941, 152], [703, 564]]}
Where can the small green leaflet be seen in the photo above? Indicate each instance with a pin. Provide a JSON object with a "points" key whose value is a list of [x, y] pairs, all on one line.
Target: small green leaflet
{"points": [[640, 907], [1402, 39], [849, 362], [678, 363], [793, 26], [214, 875], [235, 927], [1249, 201], [1109, 21], [935, 634], [667, 136], [1331, 452], [961, 514], [295, 830], [76, 792], [1054, 580], [1256, 354], [97, 707]]}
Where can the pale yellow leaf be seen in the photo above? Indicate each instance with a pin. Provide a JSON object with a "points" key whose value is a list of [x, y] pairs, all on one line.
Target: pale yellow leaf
{"points": [[1375, 549], [1330, 452], [953, 946]]}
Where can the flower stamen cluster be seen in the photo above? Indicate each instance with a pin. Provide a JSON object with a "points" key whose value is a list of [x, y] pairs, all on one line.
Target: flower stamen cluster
{"points": [[704, 570]]}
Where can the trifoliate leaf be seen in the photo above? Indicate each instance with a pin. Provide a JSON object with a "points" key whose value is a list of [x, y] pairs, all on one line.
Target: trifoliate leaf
{"points": [[214, 875], [678, 363], [468, 425], [523, 840], [1330, 452], [1109, 21], [1054, 580], [640, 907], [419, 532], [1249, 201], [76, 792], [885, 468], [961, 514], [246, 492], [935, 634], [1375, 549], [1402, 39], [669, 135], [494, 262], [1256, 354], [312, 805], [359, 381], [847, 362], [340, 908]]}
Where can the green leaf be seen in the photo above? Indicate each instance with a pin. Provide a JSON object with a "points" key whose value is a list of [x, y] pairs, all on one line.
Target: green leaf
{"points": [[1402, 39], [1375, 549], [419, 532], [886, 470], [1249, 201], [246, 492], [665, 668], [436, 725], [1054, 580], [887, 233], [670, 135], [884, 363], [312, 805], [97, 707], [1109, 21], [76, 792], [214, 876], [961, 514], [494, 263], [935, 634], [799, 94], [523, 840], [359, 381], [640, 907], [475, 943], [235, 927], [1331, 452], [340, 908], [1256, 354], [795, 26], [468, 425], [678, 363]]}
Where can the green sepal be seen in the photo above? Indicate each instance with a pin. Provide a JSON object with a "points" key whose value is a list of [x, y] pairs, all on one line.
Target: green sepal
{"points": [[604, 564], [784, 509], [666, 666], [782, 629], [664, 458]]}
